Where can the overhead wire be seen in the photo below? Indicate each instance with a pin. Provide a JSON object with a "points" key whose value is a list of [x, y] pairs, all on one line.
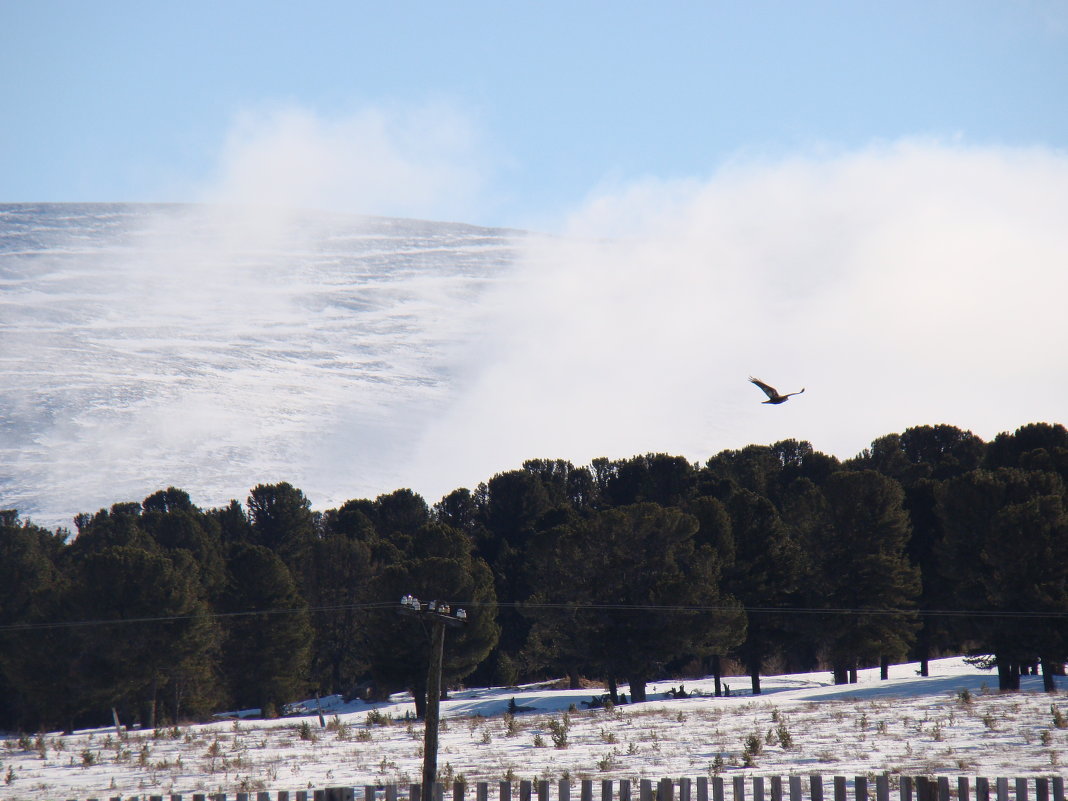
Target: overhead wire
{"points": [[604, 607]]}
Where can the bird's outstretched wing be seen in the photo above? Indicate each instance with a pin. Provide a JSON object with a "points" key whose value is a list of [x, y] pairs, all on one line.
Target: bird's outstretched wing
{"points": [[770, 391]]}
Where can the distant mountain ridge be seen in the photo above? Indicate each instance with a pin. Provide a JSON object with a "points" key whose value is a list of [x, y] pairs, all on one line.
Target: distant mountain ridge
{"points": [[212, 348]]}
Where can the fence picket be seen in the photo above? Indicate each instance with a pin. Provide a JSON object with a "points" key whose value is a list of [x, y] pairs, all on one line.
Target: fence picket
{"points": [[815, 782], [776, 788]]}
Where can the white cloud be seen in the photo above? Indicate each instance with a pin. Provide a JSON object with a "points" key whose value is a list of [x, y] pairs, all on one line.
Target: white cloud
{"points": [[915, 283], [425, 161]]}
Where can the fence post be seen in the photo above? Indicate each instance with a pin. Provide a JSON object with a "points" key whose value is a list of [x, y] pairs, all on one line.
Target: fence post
{"points": [[795, 788], [283, 795], [840, 788], [904, 790], [543, 790], [504, 791], [758, 788], [415, 792], [923, 789], [1058, 788], [882, 788], [481, 791], [860, 787], [459, 790], [645, 790], [1021, 790], [665, 791], [739, 788], [624, 790], [982, 788], [369, 792], [525, 788], [963, 790], [684, 790], [815, 782], [302, 795], [719, 793], [391, 793], [1003, 788], [586, 790], [563, 790], [776, 788], [702, 788], [943, 788], [606, 790], [260, 796], [1041, 789]]}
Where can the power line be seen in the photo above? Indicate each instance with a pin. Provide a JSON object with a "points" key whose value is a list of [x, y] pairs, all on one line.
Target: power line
{"points": [[578, 607]]}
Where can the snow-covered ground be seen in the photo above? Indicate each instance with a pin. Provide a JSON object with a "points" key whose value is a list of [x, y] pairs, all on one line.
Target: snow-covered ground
{"points": [[953, 722]]}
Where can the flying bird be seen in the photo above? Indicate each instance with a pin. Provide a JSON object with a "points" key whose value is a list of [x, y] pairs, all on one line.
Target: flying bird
{"points": [[772, 393]]}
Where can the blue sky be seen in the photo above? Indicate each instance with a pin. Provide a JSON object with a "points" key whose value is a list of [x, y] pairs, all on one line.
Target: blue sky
{"points": [[140, 100]]}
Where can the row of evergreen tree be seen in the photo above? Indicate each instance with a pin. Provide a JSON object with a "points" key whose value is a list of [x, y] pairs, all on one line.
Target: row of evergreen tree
{"points": [[930, 542]]}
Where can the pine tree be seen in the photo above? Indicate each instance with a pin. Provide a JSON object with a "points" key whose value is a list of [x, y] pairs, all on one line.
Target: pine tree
{"points": [[862, 564]]}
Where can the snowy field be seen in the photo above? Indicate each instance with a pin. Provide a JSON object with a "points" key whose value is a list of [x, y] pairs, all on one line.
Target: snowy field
{"points": [[212, 350], [950, 723]]}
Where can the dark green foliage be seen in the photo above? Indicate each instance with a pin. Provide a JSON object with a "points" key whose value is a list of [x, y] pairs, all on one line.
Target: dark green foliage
{"points": [[268, 636], [763, 575], [437, 563], [623, 569], [861, 563], [1006, 535], [598, 583]]}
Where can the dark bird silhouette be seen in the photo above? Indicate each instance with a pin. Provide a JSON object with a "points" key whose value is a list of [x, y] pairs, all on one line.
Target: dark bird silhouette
{"points": [[772, 393]]}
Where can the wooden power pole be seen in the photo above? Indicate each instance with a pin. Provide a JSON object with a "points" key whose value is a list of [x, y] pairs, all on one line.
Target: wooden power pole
{"points": [[439, 615]]}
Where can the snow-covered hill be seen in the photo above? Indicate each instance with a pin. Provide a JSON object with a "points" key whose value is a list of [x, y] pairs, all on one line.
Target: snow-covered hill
{"points": [[212, 349], [947, 724]]}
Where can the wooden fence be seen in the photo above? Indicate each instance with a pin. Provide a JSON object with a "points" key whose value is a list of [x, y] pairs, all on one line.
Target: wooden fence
{"points": [[738, 788]]}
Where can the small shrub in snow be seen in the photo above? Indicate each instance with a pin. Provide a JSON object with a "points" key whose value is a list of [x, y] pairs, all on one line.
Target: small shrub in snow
{"points": [[1058, 717], [753, 747], [786, 740], [558, 731], [376, 718]]}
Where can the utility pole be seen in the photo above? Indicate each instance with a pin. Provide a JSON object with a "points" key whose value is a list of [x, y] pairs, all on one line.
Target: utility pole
{"points": [[440, 615]]}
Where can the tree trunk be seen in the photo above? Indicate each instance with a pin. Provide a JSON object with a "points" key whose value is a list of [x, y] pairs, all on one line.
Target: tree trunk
{"points": [[853, 674], [840, 673], [574, 680], [716, 671], [637, 689], [1008, 673], [613, 690], [754, 675], [884, 668], [419, 694], [1048, 682], [923, 646]]}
